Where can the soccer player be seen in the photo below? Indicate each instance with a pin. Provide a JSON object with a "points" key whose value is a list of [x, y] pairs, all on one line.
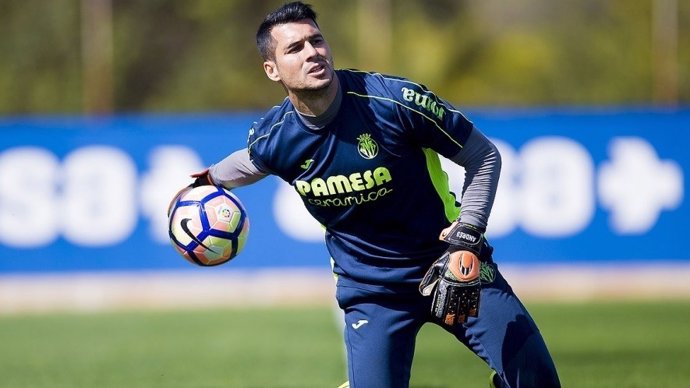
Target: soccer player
{"points": [[362, 150]]}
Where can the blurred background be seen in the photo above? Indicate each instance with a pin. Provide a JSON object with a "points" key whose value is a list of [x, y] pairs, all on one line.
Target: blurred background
{"points": [[106, 107], [102, 56]]}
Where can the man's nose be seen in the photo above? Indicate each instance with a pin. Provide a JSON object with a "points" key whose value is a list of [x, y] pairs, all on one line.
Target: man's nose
{"points": [[310, 50]]}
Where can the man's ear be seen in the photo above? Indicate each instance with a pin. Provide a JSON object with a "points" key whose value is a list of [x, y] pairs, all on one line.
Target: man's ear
{"points": [[271, 70]]}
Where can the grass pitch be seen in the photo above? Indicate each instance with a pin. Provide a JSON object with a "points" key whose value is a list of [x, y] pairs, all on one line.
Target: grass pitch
{"points": [[642, 344]]}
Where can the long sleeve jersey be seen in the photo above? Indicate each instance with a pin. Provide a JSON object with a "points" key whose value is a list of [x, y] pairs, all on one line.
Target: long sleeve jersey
{"points": [[372, 175]]}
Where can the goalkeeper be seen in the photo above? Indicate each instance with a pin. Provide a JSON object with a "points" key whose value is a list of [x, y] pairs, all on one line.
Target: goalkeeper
{"points": [[361, 149]]}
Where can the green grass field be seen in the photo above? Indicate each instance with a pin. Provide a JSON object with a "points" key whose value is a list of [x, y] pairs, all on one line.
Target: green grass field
{"points": [[613, 345]]}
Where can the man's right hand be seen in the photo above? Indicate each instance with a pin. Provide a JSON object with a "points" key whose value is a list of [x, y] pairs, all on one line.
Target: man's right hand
{"points": [[202, 178]]}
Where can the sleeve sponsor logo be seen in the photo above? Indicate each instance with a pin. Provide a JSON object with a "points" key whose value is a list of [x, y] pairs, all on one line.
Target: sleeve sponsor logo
{"points": [[425, 101]]}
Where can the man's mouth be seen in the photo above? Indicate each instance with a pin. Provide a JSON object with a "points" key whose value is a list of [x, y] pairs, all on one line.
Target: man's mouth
{"points": [[316, 69]]}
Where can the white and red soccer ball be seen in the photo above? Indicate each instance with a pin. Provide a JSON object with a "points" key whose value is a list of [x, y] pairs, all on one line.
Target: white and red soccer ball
{"points": [[208, 225]]}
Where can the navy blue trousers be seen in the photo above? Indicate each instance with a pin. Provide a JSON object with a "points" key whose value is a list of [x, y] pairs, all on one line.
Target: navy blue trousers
{"points": [[381, 330]]}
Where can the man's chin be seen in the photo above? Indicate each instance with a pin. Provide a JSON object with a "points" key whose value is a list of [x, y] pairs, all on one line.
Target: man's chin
{"points": [[319, 84]]}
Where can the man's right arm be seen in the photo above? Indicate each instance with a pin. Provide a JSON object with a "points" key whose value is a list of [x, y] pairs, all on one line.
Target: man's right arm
{"points": [[235, 170]]}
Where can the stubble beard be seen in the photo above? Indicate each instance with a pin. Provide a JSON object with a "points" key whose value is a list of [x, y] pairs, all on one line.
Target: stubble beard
{"points": [[311, 92]]}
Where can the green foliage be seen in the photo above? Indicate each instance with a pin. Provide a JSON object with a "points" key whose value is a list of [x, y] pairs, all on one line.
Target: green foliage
{"points": [[39, 56], [180, 55]]}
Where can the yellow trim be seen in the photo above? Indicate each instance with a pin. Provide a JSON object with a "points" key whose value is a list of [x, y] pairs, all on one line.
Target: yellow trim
{"points": [[282, 119], [421, 87], [439, 179], [413, 110]]}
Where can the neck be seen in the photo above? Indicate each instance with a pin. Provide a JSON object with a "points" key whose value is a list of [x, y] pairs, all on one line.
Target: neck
{"points": [[315, 102]]}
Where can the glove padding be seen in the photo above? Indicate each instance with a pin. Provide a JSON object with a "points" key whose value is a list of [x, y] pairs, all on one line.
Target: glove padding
{"points": [[453, 279]]}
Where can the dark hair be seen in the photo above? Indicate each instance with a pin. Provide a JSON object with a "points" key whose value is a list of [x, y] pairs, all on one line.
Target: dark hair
{"points": [[290, 12]]}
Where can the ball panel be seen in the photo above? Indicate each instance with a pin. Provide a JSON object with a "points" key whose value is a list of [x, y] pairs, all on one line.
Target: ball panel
{"points": [[217, 249], [186, 224], [244, 233], [199, 193], [223, 214]]}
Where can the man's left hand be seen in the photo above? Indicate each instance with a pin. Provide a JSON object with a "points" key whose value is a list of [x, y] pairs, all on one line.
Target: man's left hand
{"points": [[453, 279]]}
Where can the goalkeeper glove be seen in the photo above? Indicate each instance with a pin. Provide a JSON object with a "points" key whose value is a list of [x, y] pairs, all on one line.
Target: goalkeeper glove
{"points": [[202, 178], [453, 279]]}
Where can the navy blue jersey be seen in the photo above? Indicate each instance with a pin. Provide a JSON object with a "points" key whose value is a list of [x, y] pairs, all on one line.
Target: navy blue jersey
{"points": [[372, 176]]}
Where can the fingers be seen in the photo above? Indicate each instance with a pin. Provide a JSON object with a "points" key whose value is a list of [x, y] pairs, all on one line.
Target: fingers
{"points": [[432, 276], [200, 173], [202, 178]]}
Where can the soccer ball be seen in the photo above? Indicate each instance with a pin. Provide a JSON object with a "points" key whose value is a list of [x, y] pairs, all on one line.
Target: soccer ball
{"points": [[208, 225]]}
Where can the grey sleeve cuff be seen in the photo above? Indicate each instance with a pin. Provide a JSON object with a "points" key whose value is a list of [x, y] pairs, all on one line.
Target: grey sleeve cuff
{"points": [[482, 163], [235, 170]]}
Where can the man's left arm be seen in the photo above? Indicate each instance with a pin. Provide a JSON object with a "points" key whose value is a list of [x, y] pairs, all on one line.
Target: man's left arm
{"points": [[453, 280], [482, 163]]}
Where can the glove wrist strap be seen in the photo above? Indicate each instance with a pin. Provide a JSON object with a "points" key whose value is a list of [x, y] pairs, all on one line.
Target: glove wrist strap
{"points": [[465, 237]]}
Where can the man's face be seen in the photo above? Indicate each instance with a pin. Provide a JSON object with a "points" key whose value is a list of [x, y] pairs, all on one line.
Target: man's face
{"points": [[303, 59]]}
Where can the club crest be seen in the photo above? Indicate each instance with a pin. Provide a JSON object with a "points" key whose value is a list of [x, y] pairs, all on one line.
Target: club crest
{"points": [[366, 146]]}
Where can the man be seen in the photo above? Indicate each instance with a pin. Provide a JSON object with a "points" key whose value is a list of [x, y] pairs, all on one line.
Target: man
{"points": [[362, 150]]}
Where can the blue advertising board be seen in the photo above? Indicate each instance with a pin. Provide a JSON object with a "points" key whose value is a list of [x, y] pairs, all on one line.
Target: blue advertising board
{"points": [[91, 194]]}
